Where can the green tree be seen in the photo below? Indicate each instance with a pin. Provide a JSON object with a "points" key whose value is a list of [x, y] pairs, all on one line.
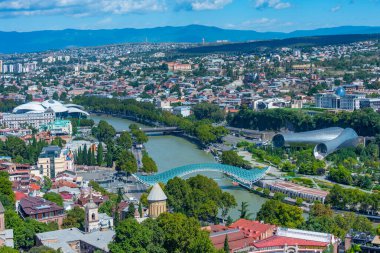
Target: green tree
{"points": [[54, 197], [125, 140], [266, 192], [74, 218], [131, 211], [109, 158], [47, 183], [99, 154], [208, 111], [107, 207], [130, 236], [179, 195], [140, 210], [299, 201], [228, 201], [58, 142], [7, 196], [63, 96], [229, 221], [244, 214], [340, 175], [279, 196], [183, 234], [355, 248], [126, 162], [5, 249], [43, 249], [85, 155], [281, 214], [144, 199], [198, 196], [24, 230], [55, 96], [104, 131], [92, 157], [139, 136], [149, 165], [226, 246], [232, 158]]}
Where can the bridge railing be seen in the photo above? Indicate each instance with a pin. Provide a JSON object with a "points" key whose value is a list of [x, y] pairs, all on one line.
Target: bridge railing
{"points": [[247, 177]]}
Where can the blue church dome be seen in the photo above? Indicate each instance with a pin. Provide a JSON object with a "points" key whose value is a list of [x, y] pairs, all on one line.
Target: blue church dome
{"points": [[341, 92]]}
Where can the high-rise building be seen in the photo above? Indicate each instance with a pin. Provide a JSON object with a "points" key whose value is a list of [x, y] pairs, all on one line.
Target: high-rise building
{"points": [[5, 68], [19, 68], [1, 66]]}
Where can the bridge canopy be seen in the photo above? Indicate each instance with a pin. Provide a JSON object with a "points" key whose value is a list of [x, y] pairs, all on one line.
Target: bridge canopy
{"points": [[247, 177]]}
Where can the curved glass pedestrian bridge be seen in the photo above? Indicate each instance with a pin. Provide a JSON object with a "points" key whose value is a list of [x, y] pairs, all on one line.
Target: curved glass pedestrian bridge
{"points": [[243, 176]]}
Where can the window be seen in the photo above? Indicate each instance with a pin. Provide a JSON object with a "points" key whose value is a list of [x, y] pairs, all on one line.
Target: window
{"points": [[93, 216]]}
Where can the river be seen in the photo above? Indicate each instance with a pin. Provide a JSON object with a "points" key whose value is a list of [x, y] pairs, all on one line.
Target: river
{"points": [[172, 151]]}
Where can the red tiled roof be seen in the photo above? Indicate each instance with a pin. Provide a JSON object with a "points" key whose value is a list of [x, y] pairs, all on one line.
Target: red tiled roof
{"points": [[62, 183], [236, 240], [276, 241], [34, 205], [216, 228], [19, 195], [66, 196]]}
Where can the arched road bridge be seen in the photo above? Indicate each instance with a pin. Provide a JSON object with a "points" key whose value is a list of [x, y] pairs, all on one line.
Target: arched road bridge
{"points": [[157, 130], [246, 177]]}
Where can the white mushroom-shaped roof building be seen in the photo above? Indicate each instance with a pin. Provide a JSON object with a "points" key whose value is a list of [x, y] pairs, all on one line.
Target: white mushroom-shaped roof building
{"points": [[59, 108], [157, 194]]}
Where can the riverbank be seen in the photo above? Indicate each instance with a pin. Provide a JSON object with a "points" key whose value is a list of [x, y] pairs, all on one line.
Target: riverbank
{"points": [[143, 123]]}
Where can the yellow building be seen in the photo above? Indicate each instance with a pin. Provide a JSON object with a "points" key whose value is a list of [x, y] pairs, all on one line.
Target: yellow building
{"points": [[157, 201], [52, 161]]}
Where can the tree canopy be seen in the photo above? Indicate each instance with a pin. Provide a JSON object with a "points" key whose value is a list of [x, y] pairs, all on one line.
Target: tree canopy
{"points": [[208, 111], [281, 214], [74, 218], [169, 233], [232, 158], [126, 162], [198, 196], [149, 165], [54, 197], [104, 131]]}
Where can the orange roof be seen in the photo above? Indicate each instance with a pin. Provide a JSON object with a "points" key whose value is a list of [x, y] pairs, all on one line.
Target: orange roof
{"points": [[34, 187], [62, 183]]}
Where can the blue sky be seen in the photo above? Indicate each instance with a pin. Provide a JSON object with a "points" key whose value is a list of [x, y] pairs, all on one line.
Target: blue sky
{"points": [[259, 15]]}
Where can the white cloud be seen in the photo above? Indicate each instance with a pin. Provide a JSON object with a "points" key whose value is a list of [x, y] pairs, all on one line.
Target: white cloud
{"points": [[260, 22], [275, 4], [200, 5], [261, 25], [78, 8], [209, 4], [81, 8], [336, 8], [105, 21]]}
